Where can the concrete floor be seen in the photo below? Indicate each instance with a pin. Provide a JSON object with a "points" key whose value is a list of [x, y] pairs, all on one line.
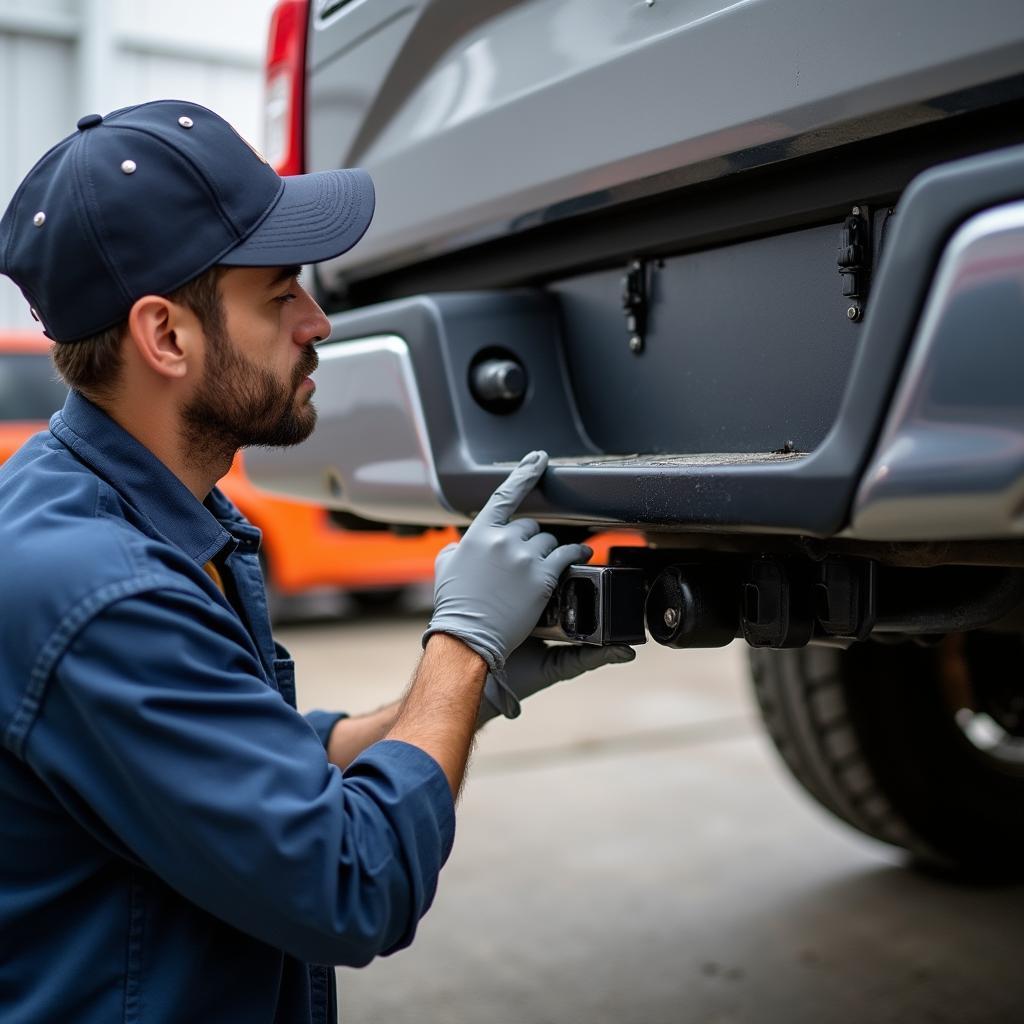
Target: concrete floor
{"points": [[631, 851]]}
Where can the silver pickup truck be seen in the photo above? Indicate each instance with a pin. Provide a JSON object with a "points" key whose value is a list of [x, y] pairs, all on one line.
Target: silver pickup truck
{"points": [[753, 274]]}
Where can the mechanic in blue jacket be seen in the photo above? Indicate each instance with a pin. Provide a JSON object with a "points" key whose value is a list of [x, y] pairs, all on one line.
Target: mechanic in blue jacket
{"points": [[177, 843]]}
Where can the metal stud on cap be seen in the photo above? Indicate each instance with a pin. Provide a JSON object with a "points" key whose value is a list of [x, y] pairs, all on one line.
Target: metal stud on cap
{"points": [[39, 219], [185, 122], [128, 167]]}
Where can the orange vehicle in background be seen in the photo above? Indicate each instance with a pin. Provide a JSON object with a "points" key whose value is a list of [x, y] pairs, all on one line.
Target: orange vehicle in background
{"points": [[304, 547]]}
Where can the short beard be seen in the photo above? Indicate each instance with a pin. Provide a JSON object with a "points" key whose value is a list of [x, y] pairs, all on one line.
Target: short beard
{"points": [[239, 404]]}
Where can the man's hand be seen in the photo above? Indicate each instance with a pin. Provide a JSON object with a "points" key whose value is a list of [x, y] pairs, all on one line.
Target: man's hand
{"points": [[491, 588], [536, 665]]}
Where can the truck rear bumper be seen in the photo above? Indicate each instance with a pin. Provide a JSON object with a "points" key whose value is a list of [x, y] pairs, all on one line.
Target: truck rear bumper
{"points": [[402, 439]]}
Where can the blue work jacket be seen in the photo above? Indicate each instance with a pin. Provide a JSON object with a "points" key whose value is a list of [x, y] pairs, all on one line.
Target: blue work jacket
{"points": [[174, 844]]}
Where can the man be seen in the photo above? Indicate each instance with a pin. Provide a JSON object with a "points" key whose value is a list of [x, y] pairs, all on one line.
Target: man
{"points": [[179, 844]]}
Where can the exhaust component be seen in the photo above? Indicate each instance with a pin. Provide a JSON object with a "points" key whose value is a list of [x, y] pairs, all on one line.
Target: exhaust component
{"points": [[947, 600], [693, 606], [596, 604]]}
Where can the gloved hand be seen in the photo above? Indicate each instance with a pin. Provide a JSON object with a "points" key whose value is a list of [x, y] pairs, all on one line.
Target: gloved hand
{"points": [[491, 587], [536, 665]]}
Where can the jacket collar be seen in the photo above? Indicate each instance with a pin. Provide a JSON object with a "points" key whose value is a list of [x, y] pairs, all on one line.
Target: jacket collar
{"points": [[145, 482]]}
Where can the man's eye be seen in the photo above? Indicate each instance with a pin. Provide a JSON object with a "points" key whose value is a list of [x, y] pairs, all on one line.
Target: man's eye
{"points": [[290, 297]]}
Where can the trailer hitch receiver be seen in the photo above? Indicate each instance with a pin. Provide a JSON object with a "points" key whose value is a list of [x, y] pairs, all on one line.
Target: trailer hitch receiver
{"points": [[596, 604]]}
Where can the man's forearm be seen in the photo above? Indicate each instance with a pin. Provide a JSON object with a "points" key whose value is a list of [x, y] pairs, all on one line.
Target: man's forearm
{"points": [[351, 736], [439, 712]]}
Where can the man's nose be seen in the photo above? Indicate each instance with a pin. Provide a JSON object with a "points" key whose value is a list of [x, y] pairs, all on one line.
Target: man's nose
{"points": [[314, 325]]}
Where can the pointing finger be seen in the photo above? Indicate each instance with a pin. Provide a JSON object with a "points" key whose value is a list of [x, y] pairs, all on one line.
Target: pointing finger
{"points": [[507, 498]]}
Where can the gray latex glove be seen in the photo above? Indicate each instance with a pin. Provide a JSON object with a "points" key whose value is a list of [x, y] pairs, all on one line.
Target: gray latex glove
{"points": [[491, 587], [536, 665]]}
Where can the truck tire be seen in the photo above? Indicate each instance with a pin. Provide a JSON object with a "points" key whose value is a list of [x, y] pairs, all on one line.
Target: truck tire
{"points": [[920, 747]]}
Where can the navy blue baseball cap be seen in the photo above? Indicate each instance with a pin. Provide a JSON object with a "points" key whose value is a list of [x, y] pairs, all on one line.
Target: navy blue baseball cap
{"points": [[143, 200]]}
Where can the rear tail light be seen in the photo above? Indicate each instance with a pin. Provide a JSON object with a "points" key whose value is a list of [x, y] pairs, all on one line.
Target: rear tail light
{"points": [[284, 99]]}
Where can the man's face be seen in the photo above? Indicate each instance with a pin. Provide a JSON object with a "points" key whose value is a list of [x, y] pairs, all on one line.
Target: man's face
{"points": [[255, 387]]}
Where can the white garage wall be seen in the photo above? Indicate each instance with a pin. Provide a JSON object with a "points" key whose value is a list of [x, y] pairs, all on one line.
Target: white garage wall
{"points": [[60, 59]]}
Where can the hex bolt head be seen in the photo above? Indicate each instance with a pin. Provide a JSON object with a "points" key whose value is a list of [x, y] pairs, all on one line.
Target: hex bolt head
{"points": [[636, 343], [853, 313], [671, 617]]}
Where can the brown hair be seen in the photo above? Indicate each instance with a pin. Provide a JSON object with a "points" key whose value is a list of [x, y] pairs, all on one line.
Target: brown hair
{"points": [[93, 366]]}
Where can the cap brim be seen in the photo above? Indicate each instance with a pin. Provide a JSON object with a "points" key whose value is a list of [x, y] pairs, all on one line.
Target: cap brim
{"points": [[317, 217]]}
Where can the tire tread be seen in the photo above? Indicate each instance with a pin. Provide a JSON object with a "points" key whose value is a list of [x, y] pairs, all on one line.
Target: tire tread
{"points": [[804, 708]]}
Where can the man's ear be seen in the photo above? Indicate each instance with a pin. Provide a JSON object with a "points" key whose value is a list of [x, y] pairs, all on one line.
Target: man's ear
{"points": [[163, 334]]}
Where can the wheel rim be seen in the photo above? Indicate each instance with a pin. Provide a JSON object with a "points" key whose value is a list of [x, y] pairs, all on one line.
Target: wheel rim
{"points": [[983, 681]]}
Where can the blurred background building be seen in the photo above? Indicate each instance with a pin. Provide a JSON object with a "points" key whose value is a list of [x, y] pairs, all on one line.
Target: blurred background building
{"points": [[60, 59]]}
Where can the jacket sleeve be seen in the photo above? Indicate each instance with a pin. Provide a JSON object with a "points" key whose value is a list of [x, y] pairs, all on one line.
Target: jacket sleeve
{"points": [[159, 735], [322, 722]]}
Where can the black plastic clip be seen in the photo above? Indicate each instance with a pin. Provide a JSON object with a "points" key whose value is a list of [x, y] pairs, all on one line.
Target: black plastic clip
{"points": [[634, 304], [776, 605], [854, 259]]}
